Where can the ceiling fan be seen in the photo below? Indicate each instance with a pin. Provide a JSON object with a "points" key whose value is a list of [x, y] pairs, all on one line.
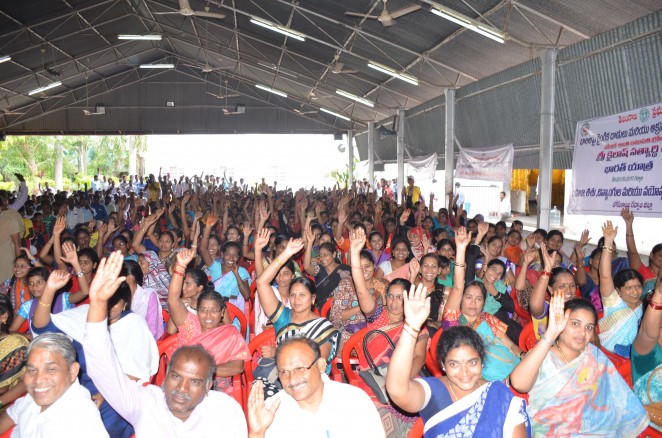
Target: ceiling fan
{"points": [[185, 10], [387, 18], [302, 112], [222, 95], [338, 67], [99, 109]]}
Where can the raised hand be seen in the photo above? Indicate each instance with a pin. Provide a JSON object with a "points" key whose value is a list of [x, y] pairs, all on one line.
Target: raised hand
{"points": [[261, 240], [58, 279], [308, 234], [584, 239], [185, 256], [414, 267], [60, 225], [416, 306], [356, 240], [342, 215], [530, 255], [462, 238], [426, 243], [627, 216], [609, 232], [531, 240], [547, 259], [212, 218], [293, 247], [483, 228], [259, 416], [27, 253], [558, 318], [70, 255], [107, 279], [405, 216]]}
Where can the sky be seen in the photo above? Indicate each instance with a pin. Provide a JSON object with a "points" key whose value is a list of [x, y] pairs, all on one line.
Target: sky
{"points": [[293, 160]]}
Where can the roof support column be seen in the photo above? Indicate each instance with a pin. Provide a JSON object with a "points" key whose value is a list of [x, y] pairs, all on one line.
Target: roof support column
{"points": [[401, 152], [548, 57], [350, 165], [449, 166], [371, 155]]}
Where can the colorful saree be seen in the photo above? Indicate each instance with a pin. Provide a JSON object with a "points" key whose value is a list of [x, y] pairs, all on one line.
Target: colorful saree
{"points": [[584, 397], [619, 325], [224, 343], [464, 418]]}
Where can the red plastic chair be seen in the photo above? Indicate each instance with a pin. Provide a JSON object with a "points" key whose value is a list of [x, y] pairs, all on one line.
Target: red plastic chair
{"points": [[239, 314], [648, 433], [417, 430], [7, 434], [622, 364], [326, 308], [267, 337], [25, 327], [355, 343], [527, 339], [431, 355]]}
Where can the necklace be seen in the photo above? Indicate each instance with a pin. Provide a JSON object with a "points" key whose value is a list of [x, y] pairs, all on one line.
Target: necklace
{"points": [[450, 386], [561, 351]]}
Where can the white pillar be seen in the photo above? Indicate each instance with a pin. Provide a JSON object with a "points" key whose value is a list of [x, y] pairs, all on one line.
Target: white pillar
{"points": [[130, 144], [350, 150], [401, 152], [59, 157], [371, 154], [548, 57], [449, 146]]}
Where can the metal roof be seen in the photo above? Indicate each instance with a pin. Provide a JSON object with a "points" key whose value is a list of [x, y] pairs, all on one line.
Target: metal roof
{"points": [[76, 42]]}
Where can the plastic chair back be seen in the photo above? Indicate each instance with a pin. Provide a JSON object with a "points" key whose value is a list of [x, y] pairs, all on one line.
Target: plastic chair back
{"points": [[431, 355], [7, 433], [165, 346], [267, 337], [527, 339], [326, 308], [354, 343], [622, 364], [235, 312], [417, 430]]}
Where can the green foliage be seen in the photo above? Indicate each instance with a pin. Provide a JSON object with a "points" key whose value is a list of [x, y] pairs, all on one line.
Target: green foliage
{"points": [[35, 158], [342, 177]]}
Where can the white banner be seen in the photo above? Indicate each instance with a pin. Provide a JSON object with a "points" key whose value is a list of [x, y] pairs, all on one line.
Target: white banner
{"points": [[422, 168], [495, 164], [614, 164]]}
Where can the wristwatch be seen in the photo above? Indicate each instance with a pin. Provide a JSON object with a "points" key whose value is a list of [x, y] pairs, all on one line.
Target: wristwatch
{"points": [[79, 274]]}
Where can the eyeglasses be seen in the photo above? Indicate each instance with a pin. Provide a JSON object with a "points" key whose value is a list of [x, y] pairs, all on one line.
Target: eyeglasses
{"points": [[297, 372]]}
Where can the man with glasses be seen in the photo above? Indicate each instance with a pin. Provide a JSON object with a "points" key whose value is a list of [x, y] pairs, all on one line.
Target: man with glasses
{"points": [[311, 404]]}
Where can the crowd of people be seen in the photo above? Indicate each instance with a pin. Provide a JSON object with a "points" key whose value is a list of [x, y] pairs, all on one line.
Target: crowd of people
{"points": [[485, 329]]}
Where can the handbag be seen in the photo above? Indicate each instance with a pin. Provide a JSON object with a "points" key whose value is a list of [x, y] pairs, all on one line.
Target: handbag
{"points": [[375, 376], [653, 407]]}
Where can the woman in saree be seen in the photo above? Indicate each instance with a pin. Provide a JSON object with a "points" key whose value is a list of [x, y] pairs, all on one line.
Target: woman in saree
{"points": [[222, 341], [230, 280], [389, 318], [465, 306], [144, 301], [650, 272], [298, 319], [621, 299], [461, 403], [156, 275], [574, 389], [13, 356], [330, 275], [419, 242], [284, 277], [647, 357], [345, 312], [398, 265], [379, 253], [134, 344]]}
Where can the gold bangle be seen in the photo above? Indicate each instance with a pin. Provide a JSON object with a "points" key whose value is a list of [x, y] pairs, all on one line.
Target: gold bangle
{"points": [[44, 304], [404, 329], [460, 265], [194, 246], [606, 248], [277, 260], [410, 326]]}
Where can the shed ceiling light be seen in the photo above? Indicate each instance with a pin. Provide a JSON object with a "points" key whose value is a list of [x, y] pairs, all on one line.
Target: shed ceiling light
{"points": [[278, 28], [392, 72], [45, 87], [471, 24], [333, 113], [271, 90], [356, 98], [140, 37]]}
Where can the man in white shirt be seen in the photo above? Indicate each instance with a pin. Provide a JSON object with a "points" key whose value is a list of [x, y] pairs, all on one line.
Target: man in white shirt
{"points": [[56, 404], [184, 406], [311, 405]]}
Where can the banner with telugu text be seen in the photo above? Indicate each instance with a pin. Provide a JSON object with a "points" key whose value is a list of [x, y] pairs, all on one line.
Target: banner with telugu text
{"points": [[617, 163], [495, 164]]}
